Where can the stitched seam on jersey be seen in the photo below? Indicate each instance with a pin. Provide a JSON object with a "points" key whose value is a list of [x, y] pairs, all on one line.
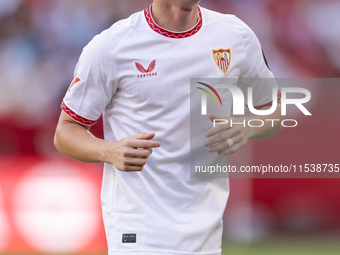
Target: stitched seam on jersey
{"points": [[104, 72], [170, 34], [244, 46], [111, 63], [248, 31], [116, 50], [99, 62], [102, 65]]}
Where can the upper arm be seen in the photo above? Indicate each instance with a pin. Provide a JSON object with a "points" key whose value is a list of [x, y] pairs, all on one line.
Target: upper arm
{"points": [[255, 64], [255, 70], [64, 119], [93, 85]]}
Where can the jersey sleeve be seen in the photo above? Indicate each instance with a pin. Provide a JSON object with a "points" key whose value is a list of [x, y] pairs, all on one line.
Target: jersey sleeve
{"points": [[256, 72], [93, 85]]}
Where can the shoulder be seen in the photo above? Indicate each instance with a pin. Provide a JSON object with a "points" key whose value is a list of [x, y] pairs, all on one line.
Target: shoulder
{"points": [[108, 39], [225, 21], [211, 17]]}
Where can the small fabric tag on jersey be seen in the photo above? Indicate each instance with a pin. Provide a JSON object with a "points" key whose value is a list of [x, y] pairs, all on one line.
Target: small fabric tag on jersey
{"points": [[222, 58], [129, 238]]}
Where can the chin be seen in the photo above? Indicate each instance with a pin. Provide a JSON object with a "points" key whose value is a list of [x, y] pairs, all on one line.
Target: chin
{"points": [[189, 4]]}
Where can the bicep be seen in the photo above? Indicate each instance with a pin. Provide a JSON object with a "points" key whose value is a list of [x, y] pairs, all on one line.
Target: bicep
{"points": [[64, 119]]}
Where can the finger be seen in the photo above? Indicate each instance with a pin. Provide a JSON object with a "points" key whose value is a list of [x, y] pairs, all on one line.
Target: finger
{"points": [[231, 150], [144, 136], [220, 126], [135, 161], [220, 137], [224, 145], [131, 168], [236, 137], [138, 153], [215, 130], [145, 144]]}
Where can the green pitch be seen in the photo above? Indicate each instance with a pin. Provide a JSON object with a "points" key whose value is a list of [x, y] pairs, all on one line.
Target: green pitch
{"points": [[309, 247]]}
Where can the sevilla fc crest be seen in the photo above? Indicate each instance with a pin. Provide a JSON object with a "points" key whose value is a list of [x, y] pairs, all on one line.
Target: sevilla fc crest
{"points": [[222, 58]]}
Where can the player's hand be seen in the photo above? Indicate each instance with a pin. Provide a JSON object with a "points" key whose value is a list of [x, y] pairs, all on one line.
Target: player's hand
{"points": [[218, 136], [131, 154]]}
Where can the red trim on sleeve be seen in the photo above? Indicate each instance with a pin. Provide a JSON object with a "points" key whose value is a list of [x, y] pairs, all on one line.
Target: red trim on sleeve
{"points": [[270, 103], [170, 34], [76, 117]]}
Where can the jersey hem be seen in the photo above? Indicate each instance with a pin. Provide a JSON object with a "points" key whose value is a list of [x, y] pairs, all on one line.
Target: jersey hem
{"points": [[162, 252], [77, 117]]}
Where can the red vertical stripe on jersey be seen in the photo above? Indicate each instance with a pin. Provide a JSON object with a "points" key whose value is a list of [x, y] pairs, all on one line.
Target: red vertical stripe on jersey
{"points": [[223, 65]]}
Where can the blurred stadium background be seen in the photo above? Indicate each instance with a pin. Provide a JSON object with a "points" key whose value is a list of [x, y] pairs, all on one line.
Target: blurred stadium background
{"points": [[50, 204]]}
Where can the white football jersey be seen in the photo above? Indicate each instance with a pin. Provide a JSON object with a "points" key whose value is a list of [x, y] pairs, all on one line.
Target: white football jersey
{"points": [[137, 75]]}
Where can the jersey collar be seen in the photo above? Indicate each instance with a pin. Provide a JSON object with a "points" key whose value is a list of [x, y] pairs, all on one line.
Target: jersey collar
{"points": [[171, 34]]}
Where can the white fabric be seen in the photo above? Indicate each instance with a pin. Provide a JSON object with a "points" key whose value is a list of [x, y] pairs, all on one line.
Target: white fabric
{"points": [[170, 212]]}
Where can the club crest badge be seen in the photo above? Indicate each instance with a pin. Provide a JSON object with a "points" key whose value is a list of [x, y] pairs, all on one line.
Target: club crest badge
{"points": [[222, 58]]}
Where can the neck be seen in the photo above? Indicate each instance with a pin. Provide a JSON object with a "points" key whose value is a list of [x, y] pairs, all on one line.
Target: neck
{"points": [[174, 17]]}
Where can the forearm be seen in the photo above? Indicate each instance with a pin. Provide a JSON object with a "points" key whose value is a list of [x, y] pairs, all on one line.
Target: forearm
{"points": [[272, 125], [129, 154], [76, 141]]}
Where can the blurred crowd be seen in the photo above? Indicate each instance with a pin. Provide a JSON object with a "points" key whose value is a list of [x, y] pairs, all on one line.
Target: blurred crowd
{"points": [[41, 40]]}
